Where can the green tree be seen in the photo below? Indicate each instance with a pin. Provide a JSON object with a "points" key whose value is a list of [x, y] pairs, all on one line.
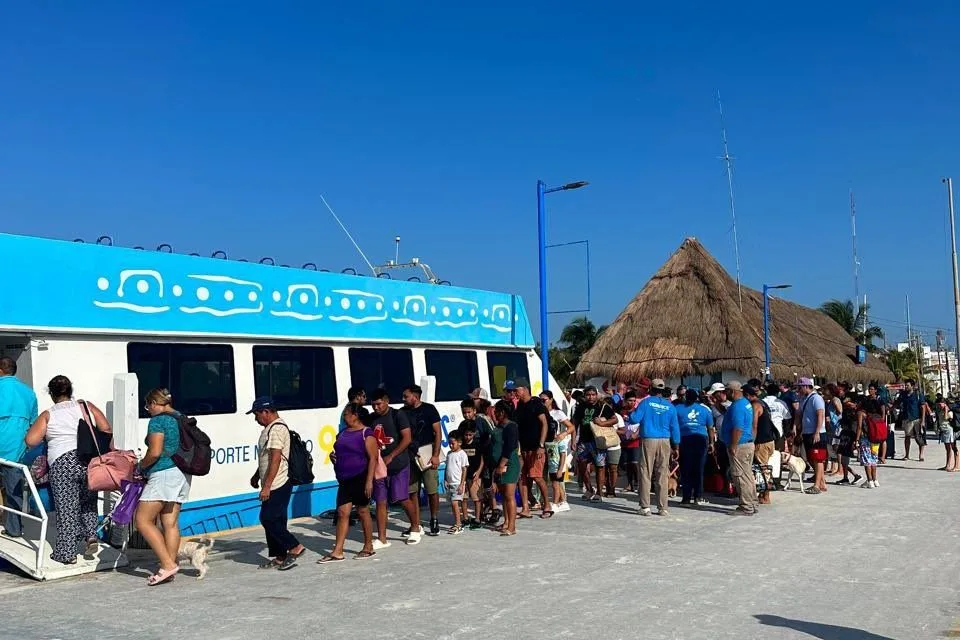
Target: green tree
{"points": [[903, 364], [842, 312], [579, 335]]}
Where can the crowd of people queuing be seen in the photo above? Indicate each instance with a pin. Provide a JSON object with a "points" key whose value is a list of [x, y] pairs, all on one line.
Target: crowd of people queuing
{"points": [[509, 459]]}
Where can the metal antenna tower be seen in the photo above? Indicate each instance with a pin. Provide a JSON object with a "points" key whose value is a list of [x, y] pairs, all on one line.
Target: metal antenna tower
{"points": [[728, 160], [856, 260]]}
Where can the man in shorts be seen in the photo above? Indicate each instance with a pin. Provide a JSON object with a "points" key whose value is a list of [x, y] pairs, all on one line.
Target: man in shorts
{"points": [[532, 423], [813, 430], [588, 412], [424, 421], [913, 412], [392, 430]]}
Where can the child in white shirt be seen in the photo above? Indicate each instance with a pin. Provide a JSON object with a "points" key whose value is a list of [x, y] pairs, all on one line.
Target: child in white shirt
{"points": [[455, 479]]}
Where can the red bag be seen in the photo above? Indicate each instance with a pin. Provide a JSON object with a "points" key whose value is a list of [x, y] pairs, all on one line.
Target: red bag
{"points": [[107, 470], [876, 430]]}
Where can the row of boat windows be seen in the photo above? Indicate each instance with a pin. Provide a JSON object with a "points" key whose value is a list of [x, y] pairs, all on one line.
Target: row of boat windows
{"points": [[201, 377]]}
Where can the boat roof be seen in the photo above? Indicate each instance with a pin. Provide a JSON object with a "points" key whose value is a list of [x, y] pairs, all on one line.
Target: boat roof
{"points": [[54, 286]]}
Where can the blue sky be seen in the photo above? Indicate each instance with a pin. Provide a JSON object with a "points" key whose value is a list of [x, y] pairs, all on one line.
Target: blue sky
{"points": [[218, 125]]}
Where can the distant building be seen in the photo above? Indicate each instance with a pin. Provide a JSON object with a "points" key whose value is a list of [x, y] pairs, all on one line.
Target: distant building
{"points": [[939, 366]]}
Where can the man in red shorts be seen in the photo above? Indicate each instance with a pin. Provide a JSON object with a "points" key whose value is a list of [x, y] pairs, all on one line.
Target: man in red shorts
{"points": [[532, 420]]}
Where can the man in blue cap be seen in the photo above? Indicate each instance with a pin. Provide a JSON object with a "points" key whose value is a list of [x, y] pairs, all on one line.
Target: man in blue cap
{"points": [[275, 487]]}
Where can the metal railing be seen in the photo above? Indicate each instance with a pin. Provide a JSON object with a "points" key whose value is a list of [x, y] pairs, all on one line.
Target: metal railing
{"points": [[42, 518]]}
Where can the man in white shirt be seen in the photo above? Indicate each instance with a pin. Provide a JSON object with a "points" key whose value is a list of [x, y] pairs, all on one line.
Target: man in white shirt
{"points": [[779, 411]]}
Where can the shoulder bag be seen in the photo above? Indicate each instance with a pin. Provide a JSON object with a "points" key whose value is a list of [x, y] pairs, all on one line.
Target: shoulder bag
{"points": [[107, 471], [604, 437]]}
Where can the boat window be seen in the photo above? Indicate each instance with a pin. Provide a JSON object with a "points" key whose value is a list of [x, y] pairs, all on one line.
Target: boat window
{"points": [[199, 377], [456, 373], [503, 366], [391, 369], [296, 377]]}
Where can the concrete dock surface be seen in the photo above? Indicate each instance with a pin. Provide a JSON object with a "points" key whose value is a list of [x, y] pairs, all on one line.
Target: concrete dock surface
{"points": [[851, 564]]}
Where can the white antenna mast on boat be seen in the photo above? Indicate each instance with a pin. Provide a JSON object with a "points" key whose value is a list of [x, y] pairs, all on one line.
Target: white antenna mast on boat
{"points": [[728, 159], [354, 242]]}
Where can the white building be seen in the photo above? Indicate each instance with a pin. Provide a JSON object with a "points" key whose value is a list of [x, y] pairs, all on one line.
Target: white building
{"points": [[939, 366]]}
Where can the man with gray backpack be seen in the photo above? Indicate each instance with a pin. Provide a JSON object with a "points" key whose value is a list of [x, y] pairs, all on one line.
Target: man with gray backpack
{"points": [[281, 465]]}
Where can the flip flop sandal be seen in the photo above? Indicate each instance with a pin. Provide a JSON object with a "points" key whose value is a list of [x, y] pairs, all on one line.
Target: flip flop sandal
{"points": [[363, 555], [273, 564], [329, 559], [506, 534], [162, 577], [289, 562], [546, 515], [812, 491], [520, 515]]}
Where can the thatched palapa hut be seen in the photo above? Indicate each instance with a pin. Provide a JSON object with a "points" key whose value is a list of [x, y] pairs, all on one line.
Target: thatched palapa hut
{"points": [[687, 323]]}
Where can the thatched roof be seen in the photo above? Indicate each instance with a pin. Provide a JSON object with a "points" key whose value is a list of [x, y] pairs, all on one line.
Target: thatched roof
{"points": [[687, 321]]}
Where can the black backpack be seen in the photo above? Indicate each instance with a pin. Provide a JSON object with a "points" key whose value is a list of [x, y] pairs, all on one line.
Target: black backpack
{"points": [[299, 461], [193, 456]]}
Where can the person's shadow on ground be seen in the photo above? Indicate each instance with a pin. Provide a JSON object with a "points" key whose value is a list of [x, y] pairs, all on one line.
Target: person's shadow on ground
{"points": [[819, 630]]}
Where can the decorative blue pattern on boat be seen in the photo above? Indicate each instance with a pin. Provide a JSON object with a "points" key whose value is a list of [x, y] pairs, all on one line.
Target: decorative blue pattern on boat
{"points": [[115, 290]]}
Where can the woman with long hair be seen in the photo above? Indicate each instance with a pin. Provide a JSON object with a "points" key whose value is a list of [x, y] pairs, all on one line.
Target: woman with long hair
{"points": [[167, 487], [872, 410], [76, 505], [507, 471], [558, 450]]}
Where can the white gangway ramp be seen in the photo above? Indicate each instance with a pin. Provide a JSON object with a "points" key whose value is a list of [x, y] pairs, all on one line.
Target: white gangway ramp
{"points": [[31, 553]]}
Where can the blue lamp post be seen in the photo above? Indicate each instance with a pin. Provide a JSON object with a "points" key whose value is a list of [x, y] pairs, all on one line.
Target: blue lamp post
{"points": [[766, 326], [542, 190]]}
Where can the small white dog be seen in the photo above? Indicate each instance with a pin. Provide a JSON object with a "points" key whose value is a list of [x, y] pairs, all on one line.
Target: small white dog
{"points": [[795, 466], [196, 552]]}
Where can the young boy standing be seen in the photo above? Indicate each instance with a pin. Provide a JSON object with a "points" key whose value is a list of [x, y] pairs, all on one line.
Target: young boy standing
{"points": [[471, 446], [456, 479]]}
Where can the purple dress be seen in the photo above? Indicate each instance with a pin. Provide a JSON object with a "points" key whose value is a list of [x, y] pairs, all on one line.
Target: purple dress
{"points": [[351, 451]]}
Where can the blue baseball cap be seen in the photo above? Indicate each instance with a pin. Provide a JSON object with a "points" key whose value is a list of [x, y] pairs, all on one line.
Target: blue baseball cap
{"points": [[509, 386], [263, 403]]}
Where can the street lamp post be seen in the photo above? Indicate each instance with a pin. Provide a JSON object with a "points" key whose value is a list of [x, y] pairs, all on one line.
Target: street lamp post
{"points": [[766, 326], [542, 191]]}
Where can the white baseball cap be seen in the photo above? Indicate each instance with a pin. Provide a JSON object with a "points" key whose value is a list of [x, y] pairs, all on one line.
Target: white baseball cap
{"points": [[717, 386]]}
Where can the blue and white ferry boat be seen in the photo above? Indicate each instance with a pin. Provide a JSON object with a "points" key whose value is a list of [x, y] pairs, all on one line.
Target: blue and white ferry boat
{"points": [[219, 333]]}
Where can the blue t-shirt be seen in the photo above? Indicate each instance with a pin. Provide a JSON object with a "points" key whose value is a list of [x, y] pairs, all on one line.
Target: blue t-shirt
{"points": [[165, 423], [738, 416], [809, 407], [910, 405], [18, 410], [657, 418], [694, 419]]}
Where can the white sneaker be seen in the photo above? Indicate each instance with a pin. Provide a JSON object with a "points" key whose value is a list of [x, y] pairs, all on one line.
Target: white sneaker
{"points": [[555, 507], [701, 501], [876, 484], [564, 506], [414, 537], [377, 545], [644, 512], [662, 512], [867, 485]]}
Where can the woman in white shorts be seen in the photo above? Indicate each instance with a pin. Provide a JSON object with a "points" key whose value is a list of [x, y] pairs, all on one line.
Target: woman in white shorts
{"points": [[167, 487], [558, 450]]}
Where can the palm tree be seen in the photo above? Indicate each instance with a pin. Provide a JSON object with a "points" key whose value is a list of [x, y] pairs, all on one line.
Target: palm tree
{"points": [[579, 335], [903, 364], [841, 312]]}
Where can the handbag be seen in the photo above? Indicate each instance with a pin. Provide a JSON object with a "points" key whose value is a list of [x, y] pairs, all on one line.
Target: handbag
{"points": [[123, 513], [605, 437], [90, 441], [380, 470], [106, 471]]}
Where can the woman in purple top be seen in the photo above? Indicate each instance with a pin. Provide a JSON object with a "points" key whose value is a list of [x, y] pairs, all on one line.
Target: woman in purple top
{"points": [[355, 455]]}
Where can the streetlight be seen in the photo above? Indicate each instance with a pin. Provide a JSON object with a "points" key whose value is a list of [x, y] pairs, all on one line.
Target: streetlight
{"points": [[766, 325], [542, 190]]}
